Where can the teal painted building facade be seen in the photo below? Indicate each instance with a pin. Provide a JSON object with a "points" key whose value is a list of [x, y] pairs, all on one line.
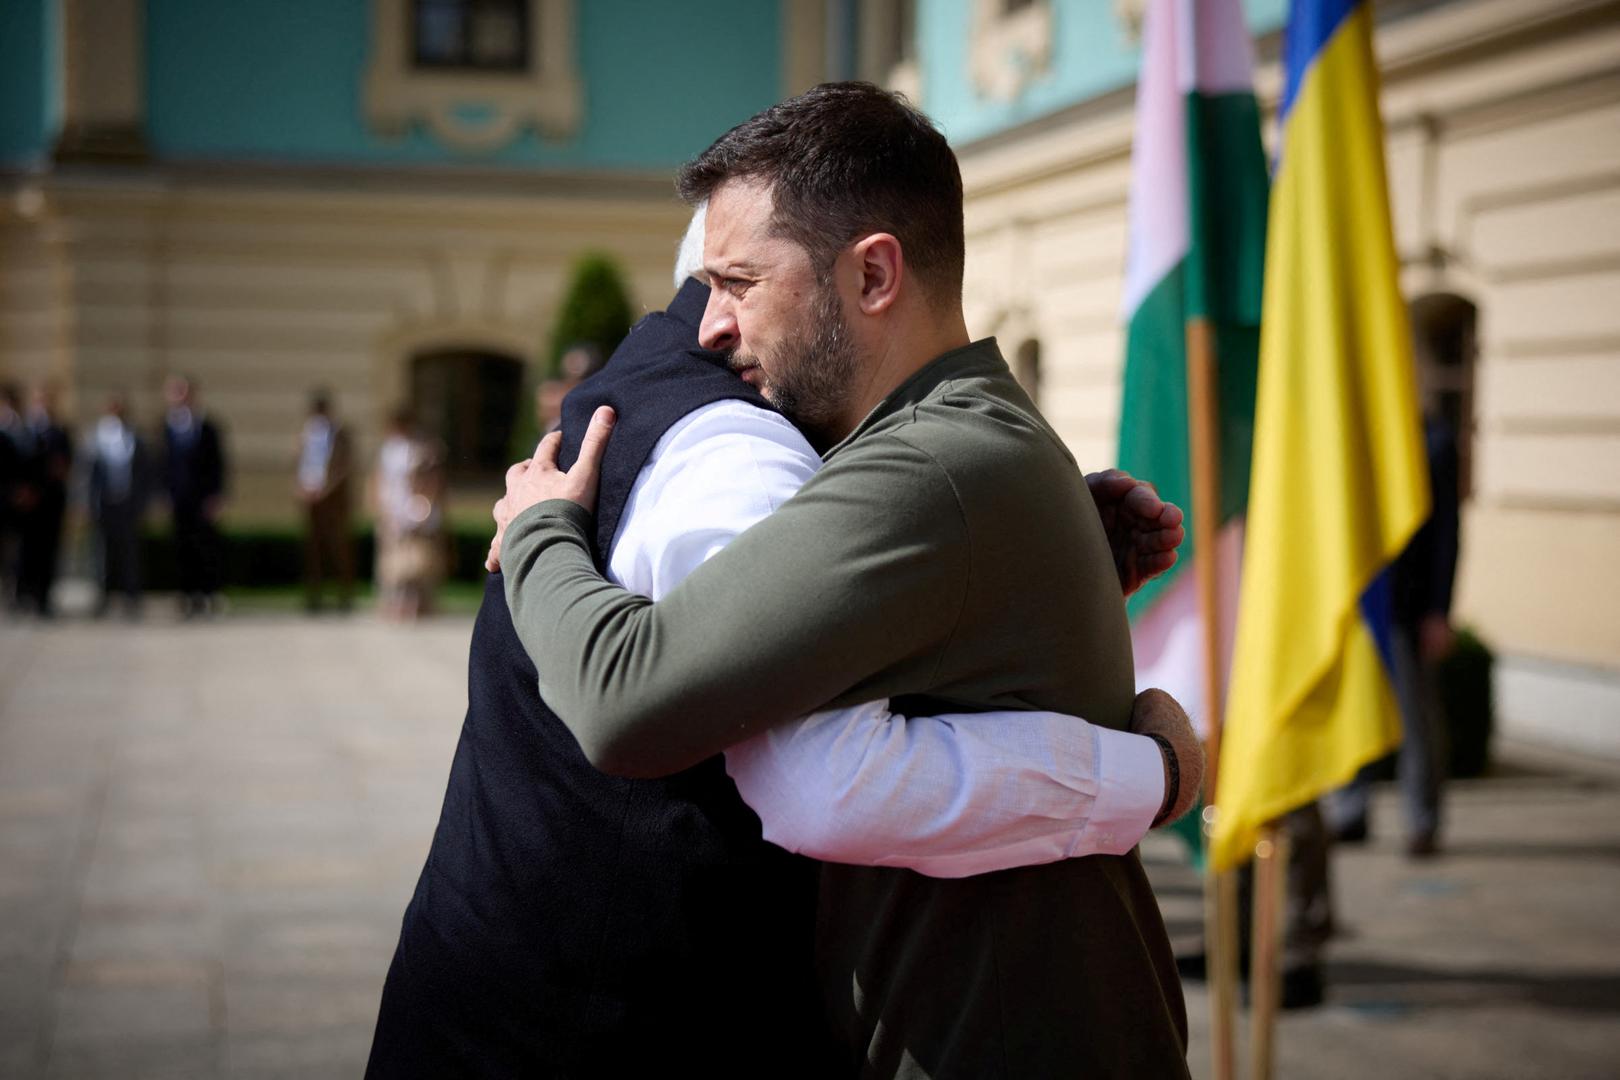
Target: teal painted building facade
{"points": [[283, 81], [30, 83]]}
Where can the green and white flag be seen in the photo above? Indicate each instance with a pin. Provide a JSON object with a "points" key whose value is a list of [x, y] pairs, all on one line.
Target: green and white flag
{"points": [[1199, 191]]}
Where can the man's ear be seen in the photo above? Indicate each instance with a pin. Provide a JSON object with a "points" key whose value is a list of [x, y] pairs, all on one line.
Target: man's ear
{"points": [[882, 266]]}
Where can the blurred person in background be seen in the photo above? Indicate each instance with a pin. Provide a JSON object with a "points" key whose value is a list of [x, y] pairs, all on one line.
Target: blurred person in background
{"points": [[118, 489], [407, 498], [1421, 633], [325, 461], [47, 457], [577, 364], [11, 464], [194, 474]]}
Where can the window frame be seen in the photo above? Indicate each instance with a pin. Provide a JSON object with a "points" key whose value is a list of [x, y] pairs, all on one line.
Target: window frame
{"points": [[468, 64], [474, 110]]}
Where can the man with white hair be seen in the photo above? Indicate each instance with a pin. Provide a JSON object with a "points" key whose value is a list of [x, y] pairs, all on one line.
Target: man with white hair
{"points": [[572, 923]]}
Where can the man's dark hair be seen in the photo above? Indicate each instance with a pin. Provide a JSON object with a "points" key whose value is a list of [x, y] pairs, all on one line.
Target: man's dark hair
{"points": [[842, 160]]}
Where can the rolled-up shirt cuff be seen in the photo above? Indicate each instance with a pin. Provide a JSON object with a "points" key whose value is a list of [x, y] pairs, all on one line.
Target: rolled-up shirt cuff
{"points": [[1130, 791]]}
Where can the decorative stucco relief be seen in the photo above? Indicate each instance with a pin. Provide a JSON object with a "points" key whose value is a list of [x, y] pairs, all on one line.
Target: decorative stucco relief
{"points": [[1012, 46]]}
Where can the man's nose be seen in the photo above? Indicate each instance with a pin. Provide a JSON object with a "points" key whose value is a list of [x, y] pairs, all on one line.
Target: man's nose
{"points": [[719, 328]]}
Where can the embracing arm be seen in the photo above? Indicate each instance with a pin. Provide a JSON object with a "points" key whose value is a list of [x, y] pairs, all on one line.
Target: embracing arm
{"points": [[949, 795], [845, 593], [944, 795], [642, 685]]}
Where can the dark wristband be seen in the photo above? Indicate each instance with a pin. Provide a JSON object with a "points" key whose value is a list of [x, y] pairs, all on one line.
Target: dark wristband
{"points": [[1173, 792]]}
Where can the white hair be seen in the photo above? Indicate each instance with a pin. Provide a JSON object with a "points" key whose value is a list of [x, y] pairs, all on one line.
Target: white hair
{"points": [[689, 260]]}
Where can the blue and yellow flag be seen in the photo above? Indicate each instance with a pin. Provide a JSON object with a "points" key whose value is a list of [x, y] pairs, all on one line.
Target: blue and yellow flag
{"points": [[1338, 481]]}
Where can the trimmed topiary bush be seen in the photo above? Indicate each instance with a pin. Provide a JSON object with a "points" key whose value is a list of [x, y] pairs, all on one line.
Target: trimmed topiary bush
{"points": [[1463, 681], [595, 311], [596, 314]]}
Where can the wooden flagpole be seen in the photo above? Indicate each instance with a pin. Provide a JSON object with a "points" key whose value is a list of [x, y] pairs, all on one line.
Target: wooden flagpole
{"points": [[1220, 890], [1270, 882]]}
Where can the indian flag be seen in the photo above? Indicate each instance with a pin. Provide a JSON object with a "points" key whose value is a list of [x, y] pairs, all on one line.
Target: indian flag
{"points": [[1197, 250]]}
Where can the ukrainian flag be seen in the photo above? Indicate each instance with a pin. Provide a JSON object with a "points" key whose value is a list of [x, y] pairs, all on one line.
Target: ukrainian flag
{"points": [[1338, 481]]}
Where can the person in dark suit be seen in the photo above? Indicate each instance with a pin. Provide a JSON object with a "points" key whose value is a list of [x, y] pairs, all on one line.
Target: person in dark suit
{"points": [[119, 481], [1424, 577], [11, 465], [47, 459], [1421, 636], [194, 473]]}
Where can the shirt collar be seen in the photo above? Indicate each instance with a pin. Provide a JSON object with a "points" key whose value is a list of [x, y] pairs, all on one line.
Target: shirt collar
{"points": [[978, 358]]}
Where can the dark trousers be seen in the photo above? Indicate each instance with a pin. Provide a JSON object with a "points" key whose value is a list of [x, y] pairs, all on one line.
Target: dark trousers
{"points": [[328, 551], [10, 542], [1421, 766], [197, 552], [37, 557], [120, 550]]}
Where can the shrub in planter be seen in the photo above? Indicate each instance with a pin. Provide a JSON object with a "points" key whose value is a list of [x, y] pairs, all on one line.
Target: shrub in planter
{"points": [[1463, 681]]}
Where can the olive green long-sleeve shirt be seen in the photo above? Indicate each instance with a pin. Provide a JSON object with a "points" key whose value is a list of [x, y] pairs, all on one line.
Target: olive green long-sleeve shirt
{"points": [[948, 548]]}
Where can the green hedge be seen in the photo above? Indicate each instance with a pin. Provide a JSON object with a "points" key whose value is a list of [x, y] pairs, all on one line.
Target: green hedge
{"points": [[1464, 686], [274, 556]]}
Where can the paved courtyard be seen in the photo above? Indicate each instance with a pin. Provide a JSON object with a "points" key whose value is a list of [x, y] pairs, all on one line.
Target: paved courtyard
{"points": [[208, 832]]}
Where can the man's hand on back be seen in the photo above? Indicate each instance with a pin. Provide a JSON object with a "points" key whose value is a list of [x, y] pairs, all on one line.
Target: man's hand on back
{"points": [[1143, 530], [1156, 713], [537, 480]]}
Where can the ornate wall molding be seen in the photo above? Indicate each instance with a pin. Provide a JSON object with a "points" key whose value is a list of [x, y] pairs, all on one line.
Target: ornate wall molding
{"points": [[1129, 14], [475, 112], [1011, 48]]}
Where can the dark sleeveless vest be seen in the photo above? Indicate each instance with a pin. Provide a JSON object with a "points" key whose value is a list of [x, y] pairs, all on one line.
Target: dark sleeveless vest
{"points": [[573, 924]]}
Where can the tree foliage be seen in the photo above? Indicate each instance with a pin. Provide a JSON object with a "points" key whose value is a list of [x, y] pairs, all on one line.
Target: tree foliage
{"points": [[595, 311]]}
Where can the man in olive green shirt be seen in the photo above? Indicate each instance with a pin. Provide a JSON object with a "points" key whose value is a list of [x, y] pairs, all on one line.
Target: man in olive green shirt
{"points": [[948, 552]]}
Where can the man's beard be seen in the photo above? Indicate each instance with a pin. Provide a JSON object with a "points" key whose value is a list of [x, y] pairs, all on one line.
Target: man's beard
{"points": [[808, 377]]}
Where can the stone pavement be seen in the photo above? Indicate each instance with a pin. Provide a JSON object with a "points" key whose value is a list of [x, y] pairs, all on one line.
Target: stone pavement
{"points": [[208, 832], [1495, 961]]}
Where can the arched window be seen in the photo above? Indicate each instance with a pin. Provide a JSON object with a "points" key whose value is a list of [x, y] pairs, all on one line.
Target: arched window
{"points": [[469, 400], [1444, 328], [1026, 368]]}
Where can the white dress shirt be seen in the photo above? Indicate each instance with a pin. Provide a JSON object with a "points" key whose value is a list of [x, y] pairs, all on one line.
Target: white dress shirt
{"points": [[315, 454], [947, 796]]}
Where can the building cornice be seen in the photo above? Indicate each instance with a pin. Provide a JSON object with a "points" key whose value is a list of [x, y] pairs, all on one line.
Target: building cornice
{"points": [[281, 178]]}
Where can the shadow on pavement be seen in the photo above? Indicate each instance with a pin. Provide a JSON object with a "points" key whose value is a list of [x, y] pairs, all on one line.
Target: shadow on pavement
{"points": [[1501, 849], [1358, 981]]}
